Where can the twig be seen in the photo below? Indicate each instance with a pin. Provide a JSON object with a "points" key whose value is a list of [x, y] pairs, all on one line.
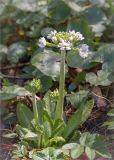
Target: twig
{"points": [[103, 98], [14, 77], [15, 66]]}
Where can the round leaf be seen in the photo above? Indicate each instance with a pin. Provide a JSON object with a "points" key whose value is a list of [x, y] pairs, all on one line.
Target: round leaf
{"points": [[47, 62], [77, 151]]}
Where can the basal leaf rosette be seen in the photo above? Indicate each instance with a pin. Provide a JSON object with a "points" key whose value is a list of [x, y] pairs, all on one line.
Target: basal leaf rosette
{"points": [[65, 41]]}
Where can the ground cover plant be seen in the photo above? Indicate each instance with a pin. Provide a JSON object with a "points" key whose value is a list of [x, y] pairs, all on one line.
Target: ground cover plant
{"points": [[57, 78]]}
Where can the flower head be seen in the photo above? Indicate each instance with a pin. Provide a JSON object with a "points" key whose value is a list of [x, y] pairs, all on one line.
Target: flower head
{"points": [[34, 86], [64, 45], [65, 41], [42, 42], [84, 51]]}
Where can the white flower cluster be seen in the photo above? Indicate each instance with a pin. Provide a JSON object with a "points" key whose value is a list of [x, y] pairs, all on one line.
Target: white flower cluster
{"points": [[63, 45], [65, 41], [84, 50], [42, 42]]}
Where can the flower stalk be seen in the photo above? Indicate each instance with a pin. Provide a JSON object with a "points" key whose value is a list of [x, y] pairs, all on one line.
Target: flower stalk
{"points": [[59, 109], [35, 110]]}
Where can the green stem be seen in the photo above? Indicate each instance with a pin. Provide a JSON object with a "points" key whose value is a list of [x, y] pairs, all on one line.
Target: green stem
{"points": [[59, 109], [35, 108], [35, 111]]}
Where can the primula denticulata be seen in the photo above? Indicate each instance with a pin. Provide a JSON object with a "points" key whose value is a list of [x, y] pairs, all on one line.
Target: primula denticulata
{"points": [[65, 41]]}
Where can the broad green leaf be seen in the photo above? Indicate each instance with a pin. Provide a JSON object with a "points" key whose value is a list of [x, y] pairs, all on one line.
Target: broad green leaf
{"points": [[102, 78], [23, 150], [91, 78], [74, 60], [46, 82], [78, 118], [16, 51], [59, 11], [58, 154], [78, 98], [40, 106], [47, 130], [77, 151], [98, 15], [58, 127], [46, 61], [30, 136], [12, 91], [75, 6], [90, 153], [87, 139], [97, 23], [105, 55], [95, 142], [29, 5], [26, 133], [24, 115], [69, 146]]}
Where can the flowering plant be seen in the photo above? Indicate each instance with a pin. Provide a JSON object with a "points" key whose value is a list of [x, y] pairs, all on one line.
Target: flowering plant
{"points": [[46, 127], [65, 41]]}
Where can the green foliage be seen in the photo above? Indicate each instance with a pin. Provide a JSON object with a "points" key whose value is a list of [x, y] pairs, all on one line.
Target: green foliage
{"points": [[46, 61], [75, 61], [12, 91], [22, 23], [79, 117], [95, 143], [24, 115], [16, 51], [110, 123], [100, 79], [77, 99]]}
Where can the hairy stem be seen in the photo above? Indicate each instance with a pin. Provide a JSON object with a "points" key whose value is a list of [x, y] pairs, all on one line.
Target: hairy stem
{"points": [[59, 109]]}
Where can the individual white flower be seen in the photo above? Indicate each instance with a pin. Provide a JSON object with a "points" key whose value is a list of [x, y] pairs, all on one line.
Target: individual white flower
{"points": [[79, 36], [72, 32], [54, 38], [84, 51], [71, 38], [51, 34], [63, 45], [42, 42]]}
